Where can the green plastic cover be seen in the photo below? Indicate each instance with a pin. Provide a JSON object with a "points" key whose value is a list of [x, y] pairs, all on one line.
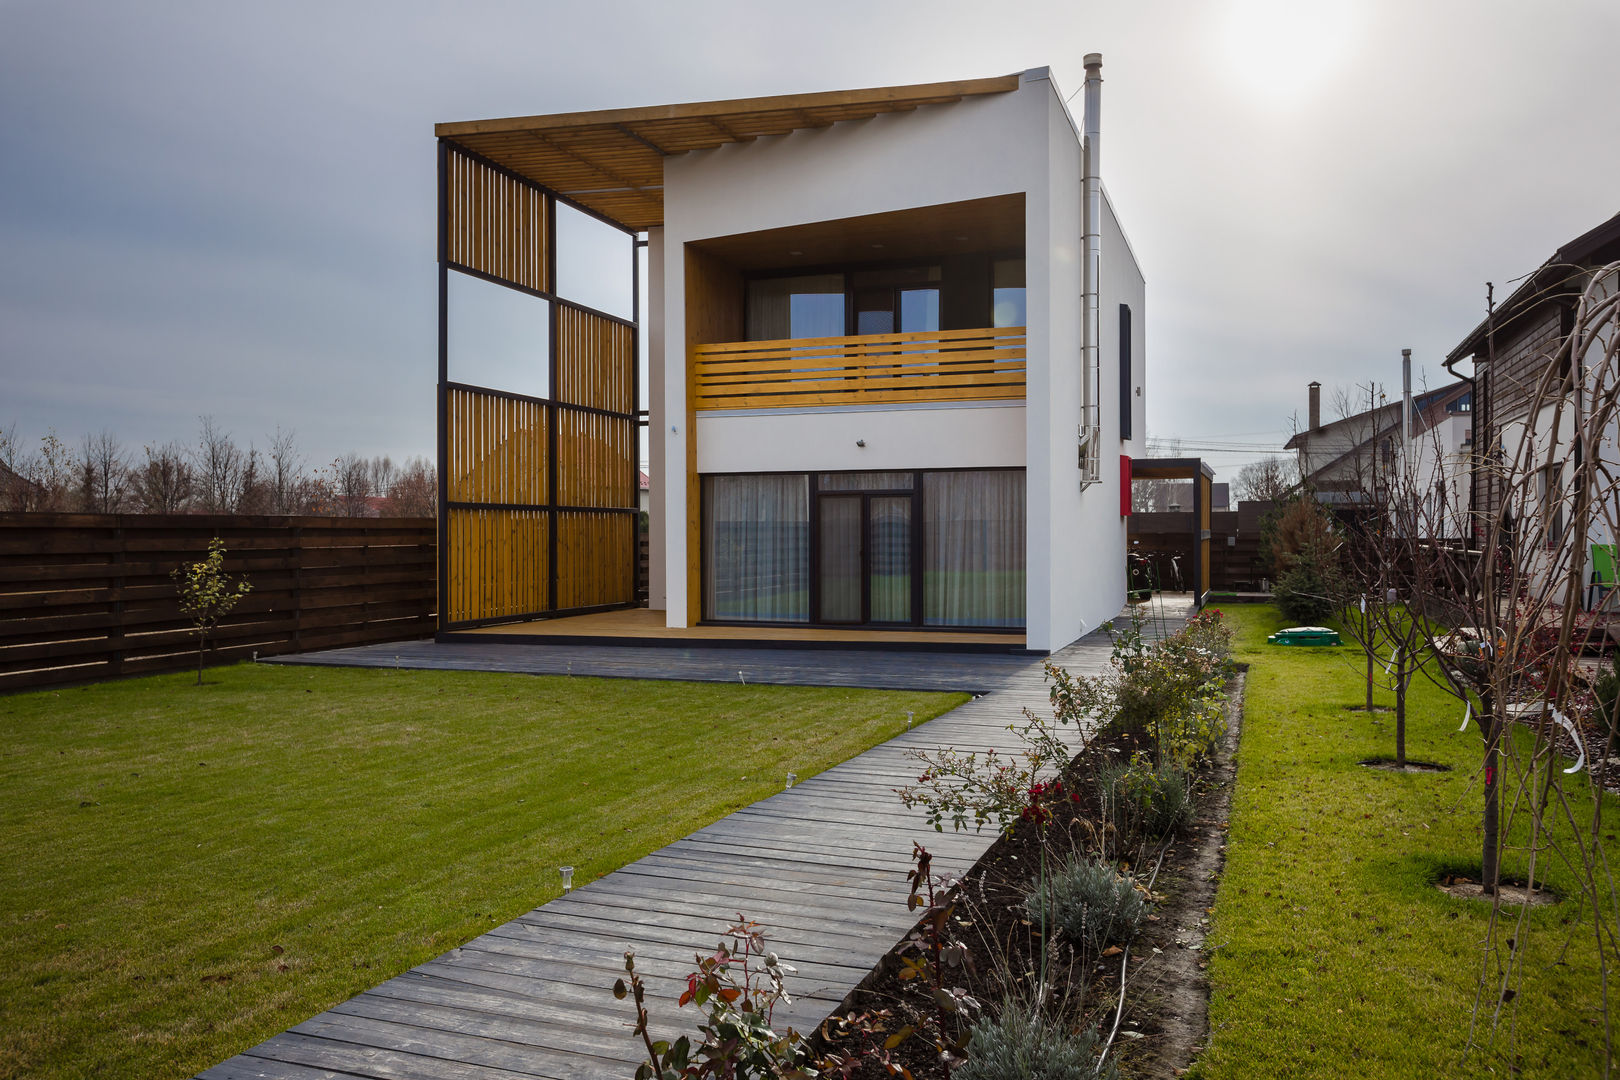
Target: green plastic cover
{"points": [[1305, 635]]}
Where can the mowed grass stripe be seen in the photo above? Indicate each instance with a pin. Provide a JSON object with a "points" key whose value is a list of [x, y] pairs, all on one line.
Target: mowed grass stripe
{"points": [[159, 840], [1332, 953]]}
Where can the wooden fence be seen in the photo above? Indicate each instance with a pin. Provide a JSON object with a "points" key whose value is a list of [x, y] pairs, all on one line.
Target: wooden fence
{"points": [[1234, 549], [89, 596]]}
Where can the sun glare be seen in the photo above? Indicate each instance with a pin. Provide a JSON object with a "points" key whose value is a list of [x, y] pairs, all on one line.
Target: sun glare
{"points": [[1282, 51]]}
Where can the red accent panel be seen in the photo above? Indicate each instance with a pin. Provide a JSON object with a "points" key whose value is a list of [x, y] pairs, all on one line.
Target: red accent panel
{"points": [[1124, 485]]}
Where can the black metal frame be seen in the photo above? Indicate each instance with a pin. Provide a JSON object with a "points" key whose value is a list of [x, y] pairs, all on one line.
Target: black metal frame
{"points": [[815, 622], [553, 407]]}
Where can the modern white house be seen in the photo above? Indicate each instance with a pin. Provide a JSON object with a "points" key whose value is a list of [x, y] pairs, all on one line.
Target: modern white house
{"points": [[895, 353]]}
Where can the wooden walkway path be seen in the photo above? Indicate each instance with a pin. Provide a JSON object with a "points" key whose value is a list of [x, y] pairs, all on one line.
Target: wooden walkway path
{"points": [[822, 866]]}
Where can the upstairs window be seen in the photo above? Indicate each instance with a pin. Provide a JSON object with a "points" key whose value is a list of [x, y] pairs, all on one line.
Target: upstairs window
{"points": [[796, 307], [1007, 293]]}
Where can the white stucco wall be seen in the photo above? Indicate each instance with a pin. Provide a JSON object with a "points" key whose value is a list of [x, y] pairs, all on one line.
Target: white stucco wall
{"points": [[781, 440], [657, 573], [1081, 543], [998, 144]]}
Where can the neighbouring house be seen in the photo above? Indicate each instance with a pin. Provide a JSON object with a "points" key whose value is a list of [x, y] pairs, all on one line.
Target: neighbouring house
{"points": [[1518, 366], [643, 491], [1348, 461], [895, 350]]}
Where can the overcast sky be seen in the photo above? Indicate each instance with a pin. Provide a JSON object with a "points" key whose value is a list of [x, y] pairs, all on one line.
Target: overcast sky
{"points": [[228, 208]]}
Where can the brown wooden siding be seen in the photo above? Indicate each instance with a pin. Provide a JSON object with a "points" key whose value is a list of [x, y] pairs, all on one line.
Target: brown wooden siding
{"points": [[89, 596]]}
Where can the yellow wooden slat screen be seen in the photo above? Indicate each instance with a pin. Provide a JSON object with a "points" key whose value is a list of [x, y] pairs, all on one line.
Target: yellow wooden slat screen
{"points": [[594, 361], [496, 448], [497, 563], [942, 365], [595, 557], [497, 225], [593, 459]]}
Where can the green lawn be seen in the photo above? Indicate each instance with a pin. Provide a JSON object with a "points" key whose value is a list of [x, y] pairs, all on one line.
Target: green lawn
{"points": [[185, 871], [1334, 955]]}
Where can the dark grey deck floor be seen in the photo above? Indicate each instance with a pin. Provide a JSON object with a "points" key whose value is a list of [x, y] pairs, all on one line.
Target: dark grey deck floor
{"points": [[870, 668], [822, 865]]}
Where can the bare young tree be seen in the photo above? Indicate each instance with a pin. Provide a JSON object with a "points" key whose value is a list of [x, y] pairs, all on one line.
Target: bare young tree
{"points": [[162, 484], [104, 474], [1508, 615], [285, 480], [415, 493], [351, 482], [217, 467], [1270, 479], [383, 475]]}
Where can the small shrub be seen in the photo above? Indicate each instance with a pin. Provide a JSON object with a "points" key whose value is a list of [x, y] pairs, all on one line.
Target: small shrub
{"points": [[1018, 1046], [1305, 595], [1091, 903], [1141, 800]]}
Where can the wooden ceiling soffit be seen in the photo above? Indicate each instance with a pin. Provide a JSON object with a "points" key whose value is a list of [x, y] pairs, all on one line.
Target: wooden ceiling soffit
{"points": [[611, 161]]}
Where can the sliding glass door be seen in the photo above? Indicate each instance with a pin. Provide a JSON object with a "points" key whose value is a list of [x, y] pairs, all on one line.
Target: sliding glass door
{"points": [[925, 548]]}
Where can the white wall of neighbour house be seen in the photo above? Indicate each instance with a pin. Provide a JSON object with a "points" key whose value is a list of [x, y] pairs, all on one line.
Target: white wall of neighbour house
{"points": [[1441, 455], [1021, 141]]}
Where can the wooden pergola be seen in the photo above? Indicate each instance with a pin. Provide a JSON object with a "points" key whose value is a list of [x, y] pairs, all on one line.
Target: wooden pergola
{"points": [[1202, 476], [538, 495]]}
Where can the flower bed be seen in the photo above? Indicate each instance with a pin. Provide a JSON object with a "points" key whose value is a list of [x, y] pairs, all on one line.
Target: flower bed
{"points": [[1073, 943]]}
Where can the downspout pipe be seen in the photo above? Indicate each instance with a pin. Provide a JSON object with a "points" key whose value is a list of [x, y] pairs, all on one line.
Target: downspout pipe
{"points": [[1091, 349]]}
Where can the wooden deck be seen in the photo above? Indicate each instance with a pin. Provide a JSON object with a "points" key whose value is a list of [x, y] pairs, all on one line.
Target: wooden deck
{"points": [[822, 865], [642, 626]]}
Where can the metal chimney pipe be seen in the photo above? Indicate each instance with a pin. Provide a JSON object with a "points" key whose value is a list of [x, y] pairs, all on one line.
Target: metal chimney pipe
{"points": [[1406, 399], [1315, 420], [1091, 192], [1406, 407]]}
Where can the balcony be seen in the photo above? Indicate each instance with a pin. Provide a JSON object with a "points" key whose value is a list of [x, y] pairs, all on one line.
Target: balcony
{"points": [[870, 369]]}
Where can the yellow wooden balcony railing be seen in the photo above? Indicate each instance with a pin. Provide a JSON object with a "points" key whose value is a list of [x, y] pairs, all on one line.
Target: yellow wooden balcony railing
{"points": [[872, 369]]}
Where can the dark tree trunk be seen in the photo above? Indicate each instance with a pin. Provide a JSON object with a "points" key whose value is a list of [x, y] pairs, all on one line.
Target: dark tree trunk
{"points": [[1366, 636], [1490, 862], [1400, 711]]}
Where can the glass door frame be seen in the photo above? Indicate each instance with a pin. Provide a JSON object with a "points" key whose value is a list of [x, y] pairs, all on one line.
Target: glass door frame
{"points": [[914, 540]]}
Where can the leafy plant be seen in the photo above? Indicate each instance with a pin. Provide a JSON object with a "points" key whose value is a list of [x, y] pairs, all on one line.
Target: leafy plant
{"points": [[1091, 903], [740, 984], [928, 952], [208, 594], [988, 788], [1169, 691], [1143, 800], [1015, 1045]]}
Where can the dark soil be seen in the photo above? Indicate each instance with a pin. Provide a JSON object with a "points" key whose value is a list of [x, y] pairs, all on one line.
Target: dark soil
{"points": [[1412, 765], [1165, 1017], [1508, 891]]}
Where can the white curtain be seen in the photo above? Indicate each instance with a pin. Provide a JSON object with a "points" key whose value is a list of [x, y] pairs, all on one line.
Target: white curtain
{"points": [[974, 545], [756, 547]]}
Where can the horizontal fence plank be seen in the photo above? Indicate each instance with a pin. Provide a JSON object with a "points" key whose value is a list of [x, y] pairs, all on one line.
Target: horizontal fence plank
{"points": [[88, 596]]}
